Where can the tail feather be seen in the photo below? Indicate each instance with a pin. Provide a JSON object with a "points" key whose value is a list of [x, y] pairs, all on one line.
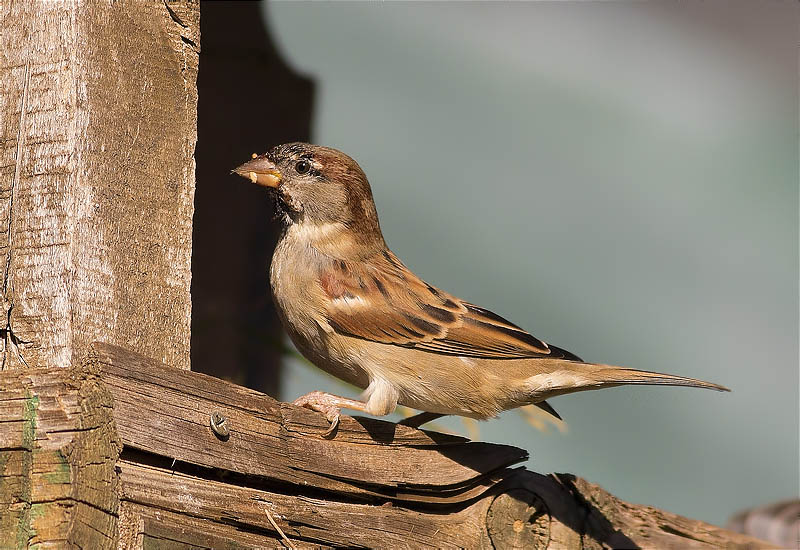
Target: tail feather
{"points": [[606, 375], [569, 377]]}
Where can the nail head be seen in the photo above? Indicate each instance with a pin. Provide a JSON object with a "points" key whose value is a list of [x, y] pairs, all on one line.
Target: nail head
{"points": [[219, 425]]}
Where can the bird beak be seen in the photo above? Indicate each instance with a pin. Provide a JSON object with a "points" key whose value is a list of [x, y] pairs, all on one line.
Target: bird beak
{"points": [[260, 171]]}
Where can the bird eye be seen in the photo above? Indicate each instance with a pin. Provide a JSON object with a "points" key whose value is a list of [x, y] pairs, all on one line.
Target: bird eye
{"points": [[302, 166]]}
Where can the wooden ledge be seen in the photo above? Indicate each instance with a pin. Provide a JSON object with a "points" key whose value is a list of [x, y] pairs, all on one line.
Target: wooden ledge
{"points": [[167, 412], [120, 452]]}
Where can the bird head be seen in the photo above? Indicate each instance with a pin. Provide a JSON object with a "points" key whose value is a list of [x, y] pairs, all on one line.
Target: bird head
{"points": [[317, 187]]}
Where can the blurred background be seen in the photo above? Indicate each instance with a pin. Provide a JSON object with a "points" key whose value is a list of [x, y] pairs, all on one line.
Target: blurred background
{"points": [[621, 179]]}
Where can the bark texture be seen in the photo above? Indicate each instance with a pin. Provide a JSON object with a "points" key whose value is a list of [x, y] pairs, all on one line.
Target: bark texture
{"points": [[97, 135]]}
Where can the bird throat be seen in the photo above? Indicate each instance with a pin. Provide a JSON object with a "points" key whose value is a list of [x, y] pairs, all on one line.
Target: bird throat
{"points": [[334, 240], [283, 211]]}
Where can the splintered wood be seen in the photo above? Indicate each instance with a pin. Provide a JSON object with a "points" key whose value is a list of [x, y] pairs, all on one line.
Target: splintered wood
{"points": [[58, 451], [97, 135], [120, 453]]}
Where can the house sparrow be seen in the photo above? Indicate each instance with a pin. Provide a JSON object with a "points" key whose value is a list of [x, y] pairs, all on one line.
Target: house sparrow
{"points": [[353, 309]]}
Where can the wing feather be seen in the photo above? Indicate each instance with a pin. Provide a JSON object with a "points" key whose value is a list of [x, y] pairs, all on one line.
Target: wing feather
{"points": [[383, 301]]}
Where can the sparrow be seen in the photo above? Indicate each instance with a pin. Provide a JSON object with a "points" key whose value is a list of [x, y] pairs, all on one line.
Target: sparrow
{"points": [[355, 310]]}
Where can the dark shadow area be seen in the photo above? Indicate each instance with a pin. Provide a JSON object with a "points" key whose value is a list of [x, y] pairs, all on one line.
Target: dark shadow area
{"points": [[383, 431], [248, 101], [476, 455], [594, 523]]}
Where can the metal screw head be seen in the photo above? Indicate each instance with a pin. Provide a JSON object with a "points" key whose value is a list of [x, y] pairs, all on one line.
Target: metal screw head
{"points": [[219, 425]]}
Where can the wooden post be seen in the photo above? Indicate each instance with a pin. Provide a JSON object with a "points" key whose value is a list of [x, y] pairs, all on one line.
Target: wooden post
{"points": [[97, 135], [58, 453]]}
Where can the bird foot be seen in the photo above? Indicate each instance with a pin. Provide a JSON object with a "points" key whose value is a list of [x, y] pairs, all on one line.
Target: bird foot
{"points": [[324, 403]]}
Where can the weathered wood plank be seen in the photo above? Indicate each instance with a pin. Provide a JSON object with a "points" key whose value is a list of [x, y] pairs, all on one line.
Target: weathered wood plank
{"points": [[611, 521], [554, 512], [158, 529], [57, 455], [564, 512], [281, 442], [97, 135], [303, 518], [86, 461]]}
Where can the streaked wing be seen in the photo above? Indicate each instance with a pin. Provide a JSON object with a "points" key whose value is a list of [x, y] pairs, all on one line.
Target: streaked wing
{"points": [[383, 301]]}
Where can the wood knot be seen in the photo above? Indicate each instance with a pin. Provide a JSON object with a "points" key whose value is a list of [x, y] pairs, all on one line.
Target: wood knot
{"points": [[518, 519]]}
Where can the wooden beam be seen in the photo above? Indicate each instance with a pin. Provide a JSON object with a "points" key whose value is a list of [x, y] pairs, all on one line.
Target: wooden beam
{"points": [[120, 452], [168, 413], [97, 135], [58, 453]]}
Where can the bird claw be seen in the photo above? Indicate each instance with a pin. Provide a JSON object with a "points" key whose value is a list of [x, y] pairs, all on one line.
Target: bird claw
{"points": [[321, 402], [332, 428]]}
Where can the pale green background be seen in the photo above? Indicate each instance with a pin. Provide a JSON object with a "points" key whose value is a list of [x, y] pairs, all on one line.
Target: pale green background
{"points": [[620, 179]]}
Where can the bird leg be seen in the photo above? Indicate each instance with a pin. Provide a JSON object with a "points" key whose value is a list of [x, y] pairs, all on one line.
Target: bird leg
{"points": [[329, 405], [419, 419]]}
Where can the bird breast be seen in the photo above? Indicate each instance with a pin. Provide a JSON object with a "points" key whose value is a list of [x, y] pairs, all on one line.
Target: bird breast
{"points": [[299, 300]]}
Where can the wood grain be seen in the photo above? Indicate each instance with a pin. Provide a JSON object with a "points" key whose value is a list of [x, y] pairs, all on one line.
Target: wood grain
{"points": [[302, 518], [97, 135], [58, 448], [119, 452], [366, 458]]}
